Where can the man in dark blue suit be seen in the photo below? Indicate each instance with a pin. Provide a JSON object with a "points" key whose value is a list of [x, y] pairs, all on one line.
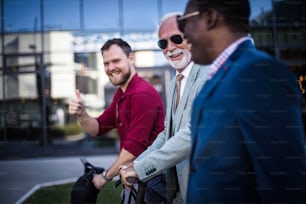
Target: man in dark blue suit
{"points": [[247, 130]]}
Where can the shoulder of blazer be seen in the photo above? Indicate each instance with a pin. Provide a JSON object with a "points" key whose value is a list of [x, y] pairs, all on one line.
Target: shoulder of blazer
{"points": [[197, 71], [235, 57], [202, 74]]}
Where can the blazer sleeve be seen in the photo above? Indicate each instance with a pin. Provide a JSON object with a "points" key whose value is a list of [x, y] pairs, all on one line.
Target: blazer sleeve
{"points": [[158, 142], [176, 149]]}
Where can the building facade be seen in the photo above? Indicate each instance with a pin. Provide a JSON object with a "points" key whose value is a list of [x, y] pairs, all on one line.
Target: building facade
{"points": [[50, 49]]}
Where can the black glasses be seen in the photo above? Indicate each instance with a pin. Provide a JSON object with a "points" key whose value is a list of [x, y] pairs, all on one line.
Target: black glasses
{"points": [[181, 20], [163, 43]]}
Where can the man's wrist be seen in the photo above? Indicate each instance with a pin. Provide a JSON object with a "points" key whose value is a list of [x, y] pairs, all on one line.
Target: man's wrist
{"points": [[104, 175], [82, 118]]}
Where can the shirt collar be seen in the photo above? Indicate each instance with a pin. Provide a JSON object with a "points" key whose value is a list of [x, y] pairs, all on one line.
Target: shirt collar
{"points": [[219, 61], [186, 71], [131, 84]]}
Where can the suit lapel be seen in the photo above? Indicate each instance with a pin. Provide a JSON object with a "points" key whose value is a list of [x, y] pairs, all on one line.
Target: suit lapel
{"points": [[211, 84], [207, 90], [169, 111], [217, 78], [187, 91]]}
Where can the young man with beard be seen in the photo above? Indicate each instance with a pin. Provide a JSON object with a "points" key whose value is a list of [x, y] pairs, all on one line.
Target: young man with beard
{"points": [[247, 130], [170, 151], [136, 111]]}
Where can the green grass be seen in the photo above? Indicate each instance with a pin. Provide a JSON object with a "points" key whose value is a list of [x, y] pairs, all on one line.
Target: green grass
{"points": [[72, 128], [60, 194]]}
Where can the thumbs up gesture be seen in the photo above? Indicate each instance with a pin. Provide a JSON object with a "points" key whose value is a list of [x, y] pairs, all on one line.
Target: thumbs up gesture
{"points": [[76, 106]]}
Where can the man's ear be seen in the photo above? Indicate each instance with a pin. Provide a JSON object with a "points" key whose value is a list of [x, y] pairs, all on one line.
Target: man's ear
{"points": [[131, 57], [212, 18]]}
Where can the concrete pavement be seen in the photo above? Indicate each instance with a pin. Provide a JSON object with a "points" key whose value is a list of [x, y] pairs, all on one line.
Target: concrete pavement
{"points": [[24, 165], [18, 177]]}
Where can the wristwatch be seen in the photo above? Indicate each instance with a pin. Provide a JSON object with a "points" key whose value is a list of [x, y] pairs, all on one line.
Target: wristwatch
{"points": [[104, 173]]}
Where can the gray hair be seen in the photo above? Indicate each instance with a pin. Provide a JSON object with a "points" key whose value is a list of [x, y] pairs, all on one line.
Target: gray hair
{"points": [[169, 15]]}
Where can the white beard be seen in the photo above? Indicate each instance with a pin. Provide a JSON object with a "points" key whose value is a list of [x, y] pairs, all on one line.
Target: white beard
{"points": [[180, 64]]}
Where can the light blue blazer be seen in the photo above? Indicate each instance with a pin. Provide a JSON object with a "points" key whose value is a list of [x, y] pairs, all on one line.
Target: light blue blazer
{"points": [[166, 151]]}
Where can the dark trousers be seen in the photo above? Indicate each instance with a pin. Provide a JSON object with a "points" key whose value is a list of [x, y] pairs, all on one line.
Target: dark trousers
{"points": [[156, 190]]}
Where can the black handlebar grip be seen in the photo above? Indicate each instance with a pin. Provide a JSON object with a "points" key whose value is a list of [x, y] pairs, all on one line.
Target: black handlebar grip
{"points": [[132, 179], [117, 183]]}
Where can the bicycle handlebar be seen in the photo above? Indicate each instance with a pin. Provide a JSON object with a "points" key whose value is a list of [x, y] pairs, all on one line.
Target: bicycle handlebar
{"points": [[132, 179], [91, 169], [84, 190], [89, 172]]}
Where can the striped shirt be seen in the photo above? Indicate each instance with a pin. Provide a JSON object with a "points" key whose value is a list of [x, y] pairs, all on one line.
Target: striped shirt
{"points": [[219, 61]]}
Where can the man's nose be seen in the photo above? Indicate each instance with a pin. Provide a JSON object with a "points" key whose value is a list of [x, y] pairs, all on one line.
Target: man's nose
{"points": [[170, 45]]}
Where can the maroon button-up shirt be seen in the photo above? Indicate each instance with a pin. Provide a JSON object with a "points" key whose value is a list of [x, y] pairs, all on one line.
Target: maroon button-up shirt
{"points": [[138, 114]]}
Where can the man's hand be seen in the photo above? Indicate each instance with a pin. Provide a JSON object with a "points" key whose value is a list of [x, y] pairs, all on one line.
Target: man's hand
{"points": [[126, 172], [76, 107], [99, 181]]}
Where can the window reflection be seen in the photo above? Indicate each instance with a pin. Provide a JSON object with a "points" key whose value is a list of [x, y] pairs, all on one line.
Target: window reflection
{"points": [[21, 15], [74, 31], [261, 12], [101, 14], [61, 15], [146, 17]]}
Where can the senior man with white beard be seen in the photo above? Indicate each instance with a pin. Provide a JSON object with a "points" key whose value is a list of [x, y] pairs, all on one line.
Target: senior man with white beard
{"points": [[170, 151]]}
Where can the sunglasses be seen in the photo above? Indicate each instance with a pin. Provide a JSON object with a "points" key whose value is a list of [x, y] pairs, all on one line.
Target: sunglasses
{"points": [[181, 20], [163, 43]]}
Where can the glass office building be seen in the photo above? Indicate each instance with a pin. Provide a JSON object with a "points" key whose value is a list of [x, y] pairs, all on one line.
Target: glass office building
{"points": [[50, 47]]}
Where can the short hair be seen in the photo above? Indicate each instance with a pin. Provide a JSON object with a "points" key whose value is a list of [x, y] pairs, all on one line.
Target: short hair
{"points": [[236, 13], [117, 41], [169, 15]]}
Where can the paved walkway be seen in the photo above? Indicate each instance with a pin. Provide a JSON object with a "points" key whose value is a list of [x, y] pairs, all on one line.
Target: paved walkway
{"points": [[25, 165], [19, 177]]}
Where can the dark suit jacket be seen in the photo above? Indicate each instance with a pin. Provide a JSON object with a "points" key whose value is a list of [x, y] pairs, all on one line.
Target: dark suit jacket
{"points": [[247, 134]]}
